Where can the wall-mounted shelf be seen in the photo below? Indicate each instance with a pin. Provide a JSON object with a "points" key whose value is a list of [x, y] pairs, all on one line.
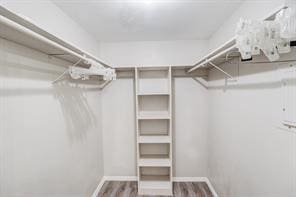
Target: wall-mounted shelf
{"points": [[226, 51], [20, 30]]}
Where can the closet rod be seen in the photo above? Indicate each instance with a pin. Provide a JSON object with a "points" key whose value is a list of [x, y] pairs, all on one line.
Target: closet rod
{"points": [[268, 62], [229, 42], [22, 29], [212, 58]]}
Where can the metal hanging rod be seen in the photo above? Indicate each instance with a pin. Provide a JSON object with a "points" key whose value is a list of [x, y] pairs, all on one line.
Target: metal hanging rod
{"points": [[229, 42], [29, 32], [96, 67], [268, 62], [212, 58], [25, 25], [229, 45]]}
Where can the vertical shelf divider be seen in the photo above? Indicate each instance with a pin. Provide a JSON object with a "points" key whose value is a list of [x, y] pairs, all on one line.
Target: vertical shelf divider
{"points": [[153, 92]]}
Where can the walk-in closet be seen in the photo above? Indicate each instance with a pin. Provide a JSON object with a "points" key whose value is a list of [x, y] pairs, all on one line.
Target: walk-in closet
{"points": [[130, 98]]}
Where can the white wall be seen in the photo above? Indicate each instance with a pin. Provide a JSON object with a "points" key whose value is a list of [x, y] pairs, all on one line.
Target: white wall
{"points": [[119, 135], [190, 136], [169, 53], [51, 18], [190, 128], [50, 136], [249, 154], [248, 10]]}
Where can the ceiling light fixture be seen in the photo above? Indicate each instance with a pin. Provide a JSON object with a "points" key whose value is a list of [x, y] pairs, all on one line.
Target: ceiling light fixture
{"points": [[147, 2]]}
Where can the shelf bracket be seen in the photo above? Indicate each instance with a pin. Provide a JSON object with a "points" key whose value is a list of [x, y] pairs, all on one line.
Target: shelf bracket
{"points": [[65, 72], [103, 85], [201, 81], [221, 70], [60, 76]]}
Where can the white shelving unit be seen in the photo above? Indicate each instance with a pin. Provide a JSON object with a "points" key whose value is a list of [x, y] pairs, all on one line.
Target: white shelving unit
{"points": [[154, 130]]}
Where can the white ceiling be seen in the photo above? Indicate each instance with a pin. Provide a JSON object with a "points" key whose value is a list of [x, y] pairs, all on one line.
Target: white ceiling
{"points": [[147, 20]]}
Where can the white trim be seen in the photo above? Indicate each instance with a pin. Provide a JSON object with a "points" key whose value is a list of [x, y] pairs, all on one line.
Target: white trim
{"points": [[197, 179], [189, 179], [120, 178], [135, 178], [211, 187], [96, 192]]}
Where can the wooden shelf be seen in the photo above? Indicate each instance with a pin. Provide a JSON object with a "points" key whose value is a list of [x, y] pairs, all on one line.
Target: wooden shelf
{"points": [[154, 156], [163, 188], [154, 163], [153, 94], [153, 115], [154, 139], [155, 184], [155, 178]]}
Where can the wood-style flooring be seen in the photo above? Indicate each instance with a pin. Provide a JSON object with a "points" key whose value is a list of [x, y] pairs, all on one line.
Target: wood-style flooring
{"points": [[129, 189]]}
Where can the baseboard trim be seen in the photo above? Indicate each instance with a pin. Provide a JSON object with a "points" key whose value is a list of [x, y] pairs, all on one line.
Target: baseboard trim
{"points": [[121, 178], [96, 192], [135, 178], [189, 179], [211, 187], [197, 179]]}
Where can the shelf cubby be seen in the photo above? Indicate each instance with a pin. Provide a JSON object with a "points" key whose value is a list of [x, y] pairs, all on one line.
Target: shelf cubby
{"points": [[156, 127], [153, 81], [153, 150], [154, 104], [154, 173]]}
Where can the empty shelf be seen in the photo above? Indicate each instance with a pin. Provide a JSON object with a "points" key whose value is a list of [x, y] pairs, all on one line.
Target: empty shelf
{"points": [[154, 139], [154, 156], [155, 184], [155, 188], [153, 115], [154, 162], [154, 150], [156, 127], [153, 94]]}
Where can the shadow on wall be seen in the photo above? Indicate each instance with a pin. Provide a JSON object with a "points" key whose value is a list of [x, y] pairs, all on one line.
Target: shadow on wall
{"points": [[23, 76], [77, 113], [76, 110]]}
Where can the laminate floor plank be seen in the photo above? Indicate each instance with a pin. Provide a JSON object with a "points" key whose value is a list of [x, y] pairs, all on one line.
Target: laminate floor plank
{"points": [[129, 189]]}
